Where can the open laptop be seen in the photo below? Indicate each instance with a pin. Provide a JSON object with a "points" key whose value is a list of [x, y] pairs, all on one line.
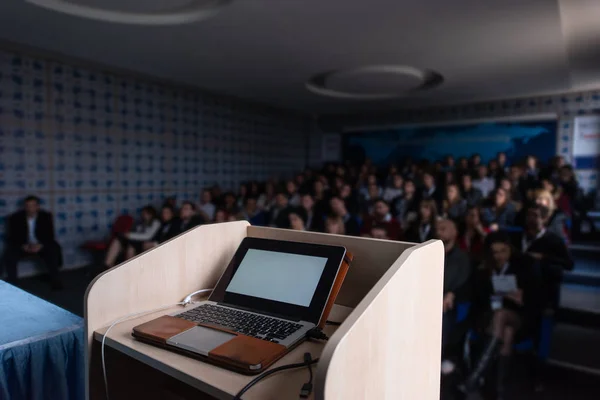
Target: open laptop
{"points": [[271, 294]]}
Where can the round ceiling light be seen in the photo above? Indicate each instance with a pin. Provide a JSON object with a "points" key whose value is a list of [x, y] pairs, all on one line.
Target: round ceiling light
{"points": [[147, 12], [374, 82]]}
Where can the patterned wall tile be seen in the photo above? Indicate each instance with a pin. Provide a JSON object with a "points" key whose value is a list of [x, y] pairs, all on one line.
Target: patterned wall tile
{"points": [[93, 144]]}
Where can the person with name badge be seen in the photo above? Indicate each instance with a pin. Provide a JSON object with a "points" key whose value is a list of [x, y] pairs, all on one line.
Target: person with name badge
{"points": [[504, 297]]}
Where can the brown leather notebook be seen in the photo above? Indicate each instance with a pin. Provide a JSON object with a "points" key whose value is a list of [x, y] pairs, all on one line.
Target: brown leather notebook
{"points": [[240, 353]]}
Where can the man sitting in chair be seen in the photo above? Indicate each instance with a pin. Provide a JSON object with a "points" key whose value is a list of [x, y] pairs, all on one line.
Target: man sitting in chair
{"points": [[30, 232]]}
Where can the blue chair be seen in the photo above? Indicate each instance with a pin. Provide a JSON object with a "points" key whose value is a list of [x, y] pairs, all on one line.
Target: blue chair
{"points": [[462, 311], [528, 344]]}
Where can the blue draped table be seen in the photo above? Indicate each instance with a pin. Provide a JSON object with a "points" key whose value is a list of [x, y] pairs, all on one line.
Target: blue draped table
{"points": [[41, 349]]}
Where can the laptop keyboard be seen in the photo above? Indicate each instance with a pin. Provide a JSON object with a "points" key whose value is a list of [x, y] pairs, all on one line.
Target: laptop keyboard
{"points": [[258, 326]]}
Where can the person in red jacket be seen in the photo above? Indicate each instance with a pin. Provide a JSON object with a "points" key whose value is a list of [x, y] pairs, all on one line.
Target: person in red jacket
{"points": [[382, 217]]}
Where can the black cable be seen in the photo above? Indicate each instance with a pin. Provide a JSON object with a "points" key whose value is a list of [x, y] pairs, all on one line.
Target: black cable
{"points": [[262, 376], [307, 387]]}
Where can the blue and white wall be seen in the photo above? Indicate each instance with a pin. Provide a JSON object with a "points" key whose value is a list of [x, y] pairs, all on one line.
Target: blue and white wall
{"points": [[94, 144]]}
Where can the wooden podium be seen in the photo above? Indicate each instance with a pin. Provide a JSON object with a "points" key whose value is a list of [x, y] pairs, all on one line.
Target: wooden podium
{"points": [[387, 347]]}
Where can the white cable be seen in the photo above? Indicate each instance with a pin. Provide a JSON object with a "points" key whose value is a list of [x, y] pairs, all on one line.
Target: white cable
{"points": [[187, 300]]}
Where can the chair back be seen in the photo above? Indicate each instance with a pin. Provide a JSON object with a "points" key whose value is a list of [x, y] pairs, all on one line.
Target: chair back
{"points": [[123, 224]]}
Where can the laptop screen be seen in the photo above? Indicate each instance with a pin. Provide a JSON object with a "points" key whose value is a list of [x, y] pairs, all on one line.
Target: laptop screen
{"points": [[283, 277]]}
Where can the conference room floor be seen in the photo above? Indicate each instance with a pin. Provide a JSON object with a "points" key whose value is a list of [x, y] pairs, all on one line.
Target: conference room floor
{"points": [[561, 382]]}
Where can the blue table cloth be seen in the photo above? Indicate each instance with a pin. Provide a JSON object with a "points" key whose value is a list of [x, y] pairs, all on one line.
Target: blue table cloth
{"points": [[41, 349]]}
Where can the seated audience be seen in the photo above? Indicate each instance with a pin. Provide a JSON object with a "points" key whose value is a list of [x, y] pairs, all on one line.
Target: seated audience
{"points": [[455, 206], [561, 199], [267, 199], [513, 194], [339, 210], [457, 270], [278, 215], [430, 190], [221, 216], [556, 220], [531, 168], [169, 229], [381, 216], [494, 170], [292, 193], [188, 218], [471, 194], [30, 232], [484, 183], [449, 163], [502, 162], [349, 197], [394, 190], [368, 201], [217, 196], [241, 197], [254, 189], [424, 227], [314, 217], [171, 201], [552, 171], [462, 167], [230, 203], [568, 185], [379, 232], [472, 239], [297, 219], [364, 189], [502, 311], [206, 208], [475, 162], [132, 243], [501, 214], [335, 225], [405, 207], [251, 213]]}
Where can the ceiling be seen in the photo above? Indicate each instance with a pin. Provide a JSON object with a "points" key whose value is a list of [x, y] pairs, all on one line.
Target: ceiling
{"points": [[267, 50]]}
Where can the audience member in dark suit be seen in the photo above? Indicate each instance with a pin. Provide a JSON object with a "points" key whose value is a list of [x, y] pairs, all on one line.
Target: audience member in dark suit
{"points": [[188, 218], [31, 233], [406, 207], [278, 217], [314, 219], [457, 270], [338, 209], [548, 250], [499, 312], [431, 191], [423, 228]]}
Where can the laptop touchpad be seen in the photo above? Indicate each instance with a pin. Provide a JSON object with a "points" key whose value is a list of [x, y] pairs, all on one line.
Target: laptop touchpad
{"points": [[200, 340]]}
